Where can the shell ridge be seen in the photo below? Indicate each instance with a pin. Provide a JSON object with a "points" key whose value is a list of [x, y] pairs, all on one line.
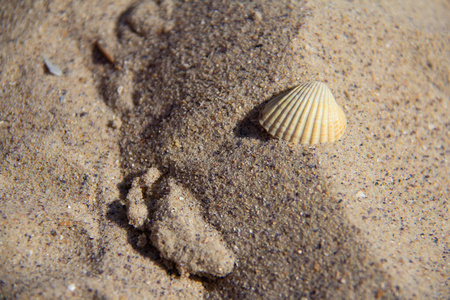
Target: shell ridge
{"points": [[310, 118], [332, 121], [317, 127], [296, 100], [324, 135], [275, 108], [272, 105], [296, 113], [302, 116], [278, 125], [342, 121]]}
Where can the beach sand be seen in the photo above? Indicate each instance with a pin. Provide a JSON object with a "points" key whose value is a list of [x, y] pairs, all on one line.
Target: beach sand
{"points": [[364, 217]]}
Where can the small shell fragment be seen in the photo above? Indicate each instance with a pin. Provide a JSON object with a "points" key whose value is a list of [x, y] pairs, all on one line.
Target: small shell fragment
{"points": [[360, 194], [307, 114], [52, 68], [109, 57]]}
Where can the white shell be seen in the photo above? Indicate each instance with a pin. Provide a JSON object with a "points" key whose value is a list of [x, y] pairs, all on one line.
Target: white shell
{"points": [[52, 68], [307, 114]]}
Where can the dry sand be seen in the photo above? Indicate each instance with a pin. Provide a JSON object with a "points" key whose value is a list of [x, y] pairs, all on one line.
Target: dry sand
{"points": [[365, 217]]}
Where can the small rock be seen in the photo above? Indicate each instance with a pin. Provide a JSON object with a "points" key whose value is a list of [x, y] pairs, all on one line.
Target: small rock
{"points": [[316, 266], [319, 188], [115, 123], [71, 287], [257, 16]]}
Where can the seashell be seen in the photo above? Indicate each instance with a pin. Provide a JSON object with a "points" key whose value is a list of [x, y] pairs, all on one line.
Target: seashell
{"points": [[307, 114], [52, 68]]}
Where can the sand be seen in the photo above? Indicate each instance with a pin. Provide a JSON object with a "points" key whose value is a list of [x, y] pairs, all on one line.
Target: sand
{"points": [[365, 217]]}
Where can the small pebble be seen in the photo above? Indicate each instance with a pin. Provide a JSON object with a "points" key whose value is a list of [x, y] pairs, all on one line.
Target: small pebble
{"points": [[52, 68], [115, 124], [257, 16], [71, 287]]}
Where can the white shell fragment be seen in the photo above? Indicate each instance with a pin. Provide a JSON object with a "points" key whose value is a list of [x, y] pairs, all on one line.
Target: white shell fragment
{"points": [[307, 114], [52, 68], [360, 194]]}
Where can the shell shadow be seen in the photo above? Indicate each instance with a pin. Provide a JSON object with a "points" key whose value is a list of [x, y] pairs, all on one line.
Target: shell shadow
{"points": [[249, 127]]}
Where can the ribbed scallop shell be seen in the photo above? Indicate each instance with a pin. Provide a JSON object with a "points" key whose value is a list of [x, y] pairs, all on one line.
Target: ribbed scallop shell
{"points": [[307, 114]]}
